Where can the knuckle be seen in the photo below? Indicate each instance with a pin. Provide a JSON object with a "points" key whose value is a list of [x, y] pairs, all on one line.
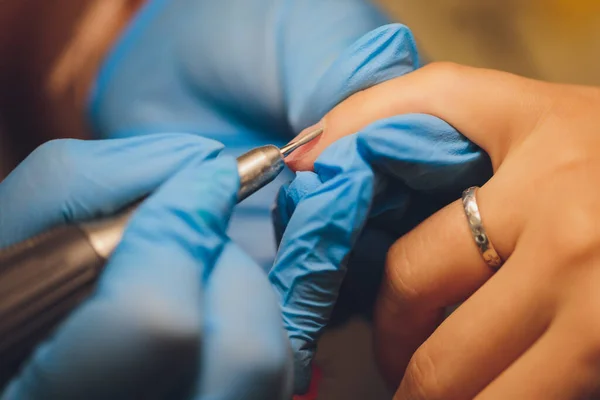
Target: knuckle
{"points": [[400, 275], [420, 380], [579, 241]]}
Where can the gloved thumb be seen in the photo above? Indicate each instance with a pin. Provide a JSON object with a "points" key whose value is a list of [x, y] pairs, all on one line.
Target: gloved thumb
{"points": [[71, 180]]}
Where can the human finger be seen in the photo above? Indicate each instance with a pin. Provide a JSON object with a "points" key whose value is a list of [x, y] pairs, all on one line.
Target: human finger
{"points": [[475, 101], [563, 363], [482, 337], [556, 367], [68, 180], [419, 284], [437, 265], [138, 336]]}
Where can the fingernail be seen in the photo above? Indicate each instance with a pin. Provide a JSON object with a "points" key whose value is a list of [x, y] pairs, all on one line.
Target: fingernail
{"points": [[302, 151]]}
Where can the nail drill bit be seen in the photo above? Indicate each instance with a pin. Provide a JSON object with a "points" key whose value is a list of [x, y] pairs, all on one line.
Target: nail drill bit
{"points": [[294, 144]]}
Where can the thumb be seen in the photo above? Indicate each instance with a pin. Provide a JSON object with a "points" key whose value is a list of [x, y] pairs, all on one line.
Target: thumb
{"points": [[73, 180]]}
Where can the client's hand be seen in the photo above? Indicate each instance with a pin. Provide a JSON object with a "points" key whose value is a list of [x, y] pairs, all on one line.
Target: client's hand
{"points": [[531, 330]]}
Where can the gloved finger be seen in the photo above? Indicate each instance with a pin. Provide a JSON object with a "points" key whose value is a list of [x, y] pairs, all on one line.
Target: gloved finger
{"points": [[310, 265], [456, 94], [245, 350], [365, 265], [139, 335], [488, 332], [356, 51], [69, 180], [289, 196]]}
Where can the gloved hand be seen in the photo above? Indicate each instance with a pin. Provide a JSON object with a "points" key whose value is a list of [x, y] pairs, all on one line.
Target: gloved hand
{"points": [[180, 311], [366, 190], [245, 73]]}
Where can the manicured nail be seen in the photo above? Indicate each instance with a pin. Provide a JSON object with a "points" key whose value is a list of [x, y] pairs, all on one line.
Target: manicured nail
{"points": [[302, 151]]}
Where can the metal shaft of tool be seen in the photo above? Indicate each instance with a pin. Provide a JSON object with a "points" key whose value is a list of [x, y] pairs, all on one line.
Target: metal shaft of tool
{"points": [[294, 144], [262, 165]]}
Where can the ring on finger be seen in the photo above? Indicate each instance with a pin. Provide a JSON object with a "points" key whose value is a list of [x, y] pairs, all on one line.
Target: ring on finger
{"points": [[483, 242]]}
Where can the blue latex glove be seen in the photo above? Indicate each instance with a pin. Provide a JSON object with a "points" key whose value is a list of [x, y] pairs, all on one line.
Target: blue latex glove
{"points": [[180, 311], [397, 172], [245, 73]]}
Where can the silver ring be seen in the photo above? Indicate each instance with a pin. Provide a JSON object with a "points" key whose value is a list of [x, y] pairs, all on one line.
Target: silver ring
{"points": [[483, 242]]}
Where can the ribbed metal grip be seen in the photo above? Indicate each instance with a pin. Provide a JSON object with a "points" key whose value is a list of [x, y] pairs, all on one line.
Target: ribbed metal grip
{"points": [[41, 280]]}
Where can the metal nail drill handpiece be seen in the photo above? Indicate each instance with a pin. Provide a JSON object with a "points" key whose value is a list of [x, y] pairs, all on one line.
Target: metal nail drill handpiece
{"points": [[262, 165], [43, 278]]}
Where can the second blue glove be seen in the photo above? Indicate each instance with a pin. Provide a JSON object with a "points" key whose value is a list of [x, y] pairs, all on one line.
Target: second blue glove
{"points": [[396, 171]]}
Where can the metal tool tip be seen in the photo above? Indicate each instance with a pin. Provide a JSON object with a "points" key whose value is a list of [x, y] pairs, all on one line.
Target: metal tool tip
{"points": [[298, 142]]}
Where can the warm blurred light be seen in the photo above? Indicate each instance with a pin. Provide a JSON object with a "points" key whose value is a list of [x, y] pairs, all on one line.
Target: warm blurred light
{"points": [[100, 25], [556, 40], [570, 10]]}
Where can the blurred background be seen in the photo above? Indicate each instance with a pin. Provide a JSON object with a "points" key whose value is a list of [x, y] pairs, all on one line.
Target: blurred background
{"points": [[554, 40]]}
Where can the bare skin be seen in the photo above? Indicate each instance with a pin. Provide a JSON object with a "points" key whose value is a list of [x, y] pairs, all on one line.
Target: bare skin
{"points": [[530, 331], [50, 51]]}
